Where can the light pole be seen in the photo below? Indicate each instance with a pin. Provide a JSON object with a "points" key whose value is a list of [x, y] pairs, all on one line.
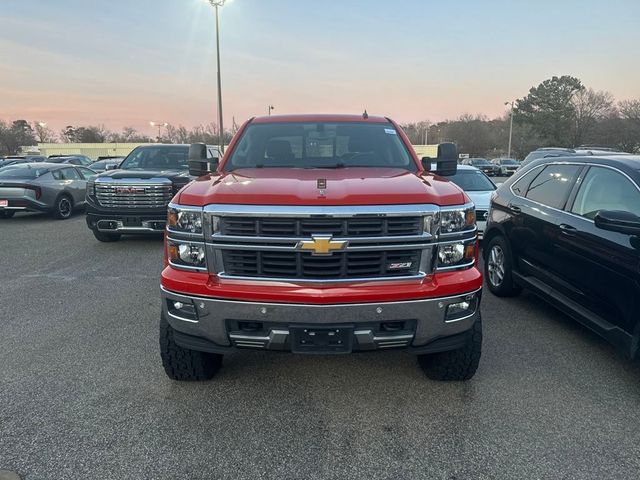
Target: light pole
{"points": [[217, 4], [159, 125], [269, 108], [510, 127]]}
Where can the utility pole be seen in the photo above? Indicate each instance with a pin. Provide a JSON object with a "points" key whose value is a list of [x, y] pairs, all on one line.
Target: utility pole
{"points": [[269, 108], [510, 127], [217, 4]]}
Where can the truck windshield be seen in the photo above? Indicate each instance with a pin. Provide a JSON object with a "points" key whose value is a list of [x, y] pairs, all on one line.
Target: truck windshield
{"points": [[157, 158], [320, 145]]}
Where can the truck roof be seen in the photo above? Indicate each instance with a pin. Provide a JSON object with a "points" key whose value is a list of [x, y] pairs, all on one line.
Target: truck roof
{"points": [[321, 117]]}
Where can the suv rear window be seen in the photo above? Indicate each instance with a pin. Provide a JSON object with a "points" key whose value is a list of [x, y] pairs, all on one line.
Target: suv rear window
{"points": [[552, 185], [320, 145]]}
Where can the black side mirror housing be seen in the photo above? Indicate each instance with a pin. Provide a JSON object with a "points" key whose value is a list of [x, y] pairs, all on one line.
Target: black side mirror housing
{"points": [[199, 163], [618, 221], [446, 163]]}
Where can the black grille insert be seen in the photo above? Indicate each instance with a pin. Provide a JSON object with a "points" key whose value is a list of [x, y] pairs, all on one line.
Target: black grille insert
{"points": [[304, 227], [304, 265]]}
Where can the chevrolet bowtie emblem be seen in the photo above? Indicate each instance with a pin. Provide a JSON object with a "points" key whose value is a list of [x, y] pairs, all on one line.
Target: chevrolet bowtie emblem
{"points": [[321, 245]]}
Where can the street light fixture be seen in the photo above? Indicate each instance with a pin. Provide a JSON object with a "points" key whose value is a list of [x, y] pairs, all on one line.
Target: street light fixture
{"points": [[269, 108], [216, 4], [159, 125], [510, 126]]}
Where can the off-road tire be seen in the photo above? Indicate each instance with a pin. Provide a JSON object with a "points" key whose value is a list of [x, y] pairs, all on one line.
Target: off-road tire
{"points": [[63, 208], [7, 214], [455, 365], [106, 237], [507, 287], [183, 364]]}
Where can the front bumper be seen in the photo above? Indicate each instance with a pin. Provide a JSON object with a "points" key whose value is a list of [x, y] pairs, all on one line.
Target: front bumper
{"points": [[129, 222], [211, 324]]}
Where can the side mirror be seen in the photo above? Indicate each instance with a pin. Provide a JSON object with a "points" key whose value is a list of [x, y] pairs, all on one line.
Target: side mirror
{"points": [[111, 167], [618, 221], [199, 164], [446, 164]]}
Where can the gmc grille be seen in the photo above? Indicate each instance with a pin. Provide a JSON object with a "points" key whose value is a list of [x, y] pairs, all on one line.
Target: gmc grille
{"points": [[140, 196], [304, 265], [338, 227]]}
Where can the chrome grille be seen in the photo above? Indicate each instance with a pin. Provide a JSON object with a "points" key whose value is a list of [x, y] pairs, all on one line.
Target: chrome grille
{"points": [[343, 265], [338, 227], [134, 195], [320, 244]]}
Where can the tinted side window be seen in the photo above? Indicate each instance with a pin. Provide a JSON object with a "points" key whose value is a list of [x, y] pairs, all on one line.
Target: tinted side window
{"points": [[70, 174], [85, 173], [522, 184], [606, 189], [57, 174], [552, 186]]}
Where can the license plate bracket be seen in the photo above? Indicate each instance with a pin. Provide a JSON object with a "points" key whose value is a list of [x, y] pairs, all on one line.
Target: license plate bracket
{"points": [[131, 222], [319, 340]]}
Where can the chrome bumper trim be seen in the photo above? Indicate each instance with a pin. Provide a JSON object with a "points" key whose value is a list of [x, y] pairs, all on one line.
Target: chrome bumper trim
{"points": [[213, 313]]}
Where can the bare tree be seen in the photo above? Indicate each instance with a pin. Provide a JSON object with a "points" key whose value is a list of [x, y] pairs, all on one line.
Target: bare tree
{"points": [[43, 133], [589, 106], [630, 109]]}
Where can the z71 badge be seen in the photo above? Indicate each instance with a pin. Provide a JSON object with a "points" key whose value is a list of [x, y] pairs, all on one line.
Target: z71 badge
{"points": [[399, 266]]}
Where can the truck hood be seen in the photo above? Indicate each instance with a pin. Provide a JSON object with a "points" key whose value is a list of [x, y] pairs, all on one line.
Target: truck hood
{"points": [[344, 186], [111, 175]]}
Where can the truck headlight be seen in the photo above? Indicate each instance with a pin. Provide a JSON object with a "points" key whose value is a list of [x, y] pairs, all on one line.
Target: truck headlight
{"points": [[457, 220], [91, 188], [184, 220], [187, 254], [456, 254]]}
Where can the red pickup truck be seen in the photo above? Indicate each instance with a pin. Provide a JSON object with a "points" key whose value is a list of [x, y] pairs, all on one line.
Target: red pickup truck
{"points": [[321, 234]]}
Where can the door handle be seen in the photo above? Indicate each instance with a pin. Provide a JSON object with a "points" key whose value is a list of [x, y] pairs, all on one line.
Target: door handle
{"points": [[515, 209], [567, 229]]}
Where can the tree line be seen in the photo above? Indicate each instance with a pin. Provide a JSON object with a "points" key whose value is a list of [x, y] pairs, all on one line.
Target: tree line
{"points": [[559, 112]]}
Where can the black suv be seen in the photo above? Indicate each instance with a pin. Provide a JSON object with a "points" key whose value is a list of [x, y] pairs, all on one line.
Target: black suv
{"points": [[568, 228]]}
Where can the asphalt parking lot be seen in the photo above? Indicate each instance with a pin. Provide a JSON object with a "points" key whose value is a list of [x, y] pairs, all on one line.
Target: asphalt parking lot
{"points": [[83, 393]]}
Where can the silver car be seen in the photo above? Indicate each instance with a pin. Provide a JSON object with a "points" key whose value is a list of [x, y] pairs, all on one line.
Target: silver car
{"points": [[58, 189], [479, 188]]}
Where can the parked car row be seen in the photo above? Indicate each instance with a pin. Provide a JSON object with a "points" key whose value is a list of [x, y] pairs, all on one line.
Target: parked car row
{"points": [[496, 167], [101, 164]]}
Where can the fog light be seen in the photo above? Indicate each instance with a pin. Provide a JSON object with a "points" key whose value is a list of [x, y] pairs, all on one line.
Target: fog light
{"points": [[458, 310], [184, 311]]}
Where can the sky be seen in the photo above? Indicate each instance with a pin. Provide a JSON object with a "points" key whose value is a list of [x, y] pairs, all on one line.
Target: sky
{"points": [[127, 62]]}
